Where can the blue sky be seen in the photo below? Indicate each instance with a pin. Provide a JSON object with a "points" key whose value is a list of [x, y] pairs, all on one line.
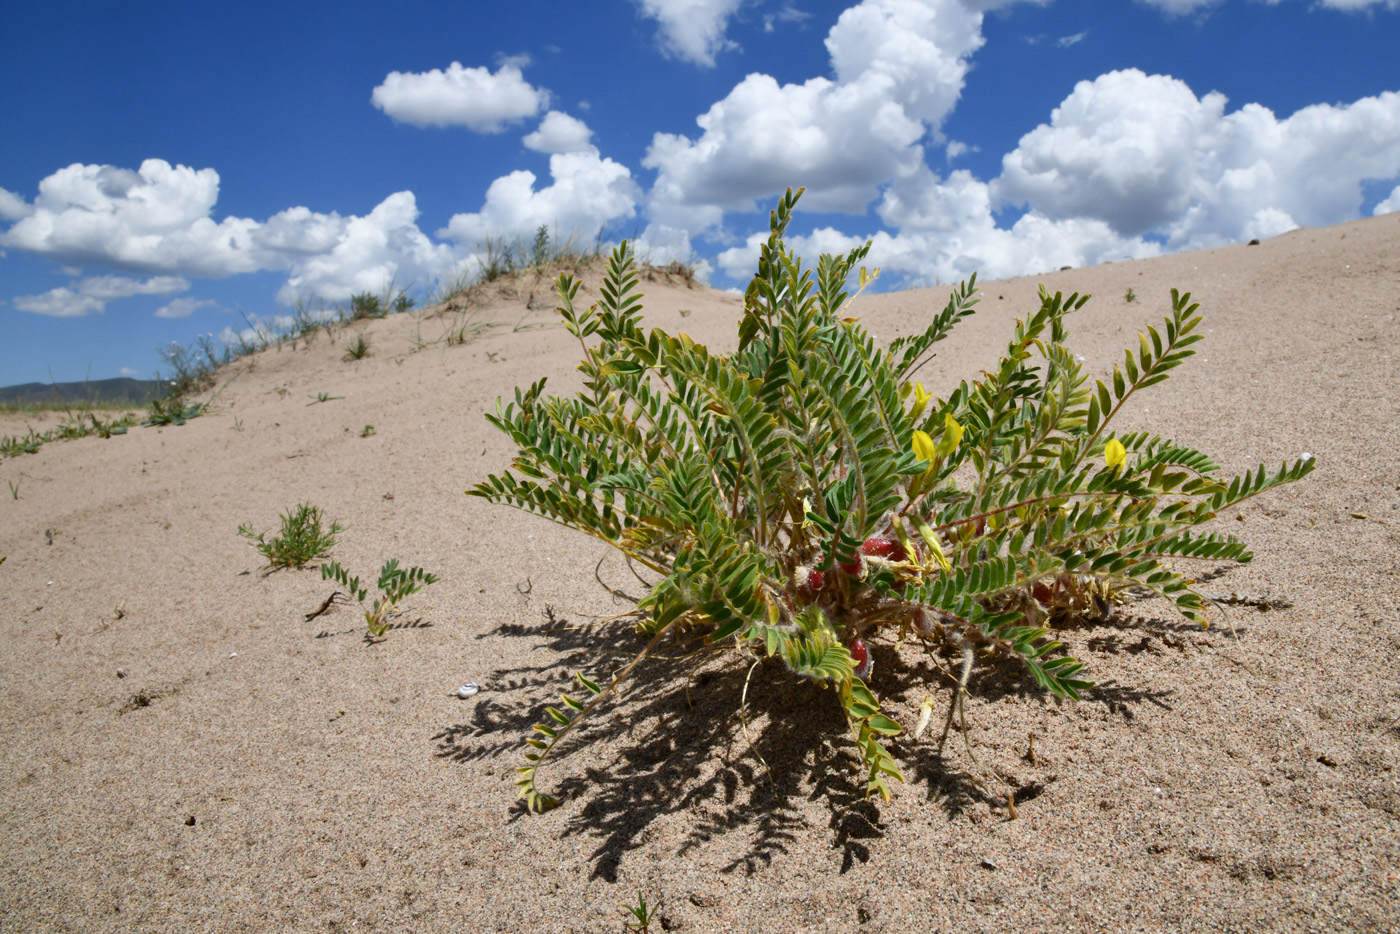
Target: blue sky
{"points": [[172, 170]]}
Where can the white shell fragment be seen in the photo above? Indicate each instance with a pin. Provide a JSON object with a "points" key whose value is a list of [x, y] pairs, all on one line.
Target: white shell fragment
{"points": [[468, 689]]}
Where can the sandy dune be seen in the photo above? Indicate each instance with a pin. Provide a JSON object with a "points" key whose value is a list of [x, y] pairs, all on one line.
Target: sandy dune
{"points": [[207, 759]]}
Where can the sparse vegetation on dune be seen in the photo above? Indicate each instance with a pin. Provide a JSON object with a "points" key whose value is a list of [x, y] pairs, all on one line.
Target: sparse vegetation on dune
{"points": [[504, 269], [513, 270], [255, 731], [78, 422]]}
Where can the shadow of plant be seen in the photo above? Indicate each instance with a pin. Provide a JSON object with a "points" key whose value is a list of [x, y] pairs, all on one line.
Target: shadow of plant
{"points": [[1120, 699], [681, 747], [695, 760]]}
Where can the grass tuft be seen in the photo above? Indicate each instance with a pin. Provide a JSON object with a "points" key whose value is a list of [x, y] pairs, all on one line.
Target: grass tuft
{"points": [[357, 349], [303, 538]]}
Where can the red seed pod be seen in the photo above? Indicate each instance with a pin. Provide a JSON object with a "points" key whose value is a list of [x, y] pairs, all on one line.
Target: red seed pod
{"points": [[883, 548], [876, 547], [810, 580], [861, 656]]}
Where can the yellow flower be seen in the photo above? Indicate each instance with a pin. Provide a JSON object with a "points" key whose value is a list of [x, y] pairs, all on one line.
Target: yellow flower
{"points": [[1114, 453], [931, 537], [921, 397], [923, 446], [952, 434]]}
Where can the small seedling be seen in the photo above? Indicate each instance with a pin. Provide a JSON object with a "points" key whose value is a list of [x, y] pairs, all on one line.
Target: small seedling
{"points": [[357, 349], [394, 584], [366, 431], [172, 411], [1130, 296], [15, 446], [465, 327], [643, 914], [302, 539], [237, 423], [685, 312], [108, 428], [322, 397], [14, 489]]}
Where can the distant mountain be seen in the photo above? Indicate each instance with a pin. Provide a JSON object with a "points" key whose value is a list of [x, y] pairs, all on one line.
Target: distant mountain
{"points": [[135, 391]]}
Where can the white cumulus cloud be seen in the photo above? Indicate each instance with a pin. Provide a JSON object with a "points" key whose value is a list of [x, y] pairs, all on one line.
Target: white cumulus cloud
{"points": [[693, 30], [366, 254], [1129, 166], [1183, 7], [788, 14], [110, 287], [1352, 5], [1145, 155], [12, 206], [661, 245], [182, 307], [559, 132], [944, 231], [152, 220], [917, 50], [159, 220], [300, 232], [586, 192], [1390, 204], [60, 303], [899, 70], [90, 296], [476, 98]]}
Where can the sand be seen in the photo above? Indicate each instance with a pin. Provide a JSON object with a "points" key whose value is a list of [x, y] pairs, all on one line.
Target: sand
{"points": [[183, 750]]}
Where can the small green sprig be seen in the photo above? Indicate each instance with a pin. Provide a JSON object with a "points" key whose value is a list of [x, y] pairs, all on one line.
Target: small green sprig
{"points": [[395, 584], [642, 914]]}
